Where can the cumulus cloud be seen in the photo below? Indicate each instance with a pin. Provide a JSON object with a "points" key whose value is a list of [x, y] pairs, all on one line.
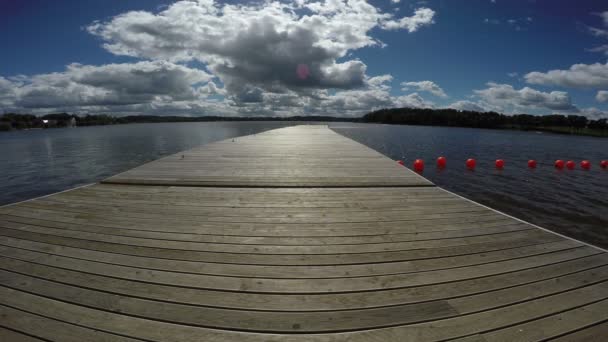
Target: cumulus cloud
{"points": [[271, 46], [375, 95], [467, 105], [413, 100], [421, 17], [578, 76], [602, 96], [111, 84], [594, 113], [506, 96], [428, 86], [200, 56], [6, 92]]}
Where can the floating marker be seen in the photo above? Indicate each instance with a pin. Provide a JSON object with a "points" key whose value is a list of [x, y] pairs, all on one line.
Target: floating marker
{"points": [[419, 165], [471, 163], [585, 165], [441, 162], [570, 165], [532, 163], [400, 162], [500, 163], [559, 164], [604, 164]]}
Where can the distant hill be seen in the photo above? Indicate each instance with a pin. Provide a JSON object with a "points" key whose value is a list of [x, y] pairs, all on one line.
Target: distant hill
{"points": [[11, 121], [570, 124]]}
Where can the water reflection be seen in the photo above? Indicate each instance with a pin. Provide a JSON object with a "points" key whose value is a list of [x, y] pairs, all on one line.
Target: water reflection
{"points": [[573, 202], [39, 162]]}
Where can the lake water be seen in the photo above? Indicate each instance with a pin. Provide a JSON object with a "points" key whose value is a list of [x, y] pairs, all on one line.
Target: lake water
{"points": [[571, 202], [575, 203]]}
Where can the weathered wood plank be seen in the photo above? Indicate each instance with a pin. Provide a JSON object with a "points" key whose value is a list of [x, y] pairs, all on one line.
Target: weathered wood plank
{"points": [[287, 271], [292, 286], [294, 156], [296, 234], [305, 302], [13, 336], [594, 333]]}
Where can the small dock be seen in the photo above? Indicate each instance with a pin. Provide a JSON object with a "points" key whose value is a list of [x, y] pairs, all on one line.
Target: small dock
{"points": [[296, 234]]}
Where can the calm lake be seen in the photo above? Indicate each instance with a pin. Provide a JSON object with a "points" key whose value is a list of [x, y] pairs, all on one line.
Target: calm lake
{"points": [[575, 203]]}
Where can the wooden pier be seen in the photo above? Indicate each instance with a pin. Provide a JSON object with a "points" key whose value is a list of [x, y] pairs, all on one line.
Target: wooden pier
{"points": [[296, 234]]}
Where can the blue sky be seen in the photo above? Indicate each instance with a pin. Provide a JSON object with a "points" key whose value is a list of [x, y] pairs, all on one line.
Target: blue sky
{"points": [[231, 58]]}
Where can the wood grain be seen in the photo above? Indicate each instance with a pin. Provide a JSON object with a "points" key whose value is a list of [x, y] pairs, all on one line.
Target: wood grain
{"points": [[296, 234]]}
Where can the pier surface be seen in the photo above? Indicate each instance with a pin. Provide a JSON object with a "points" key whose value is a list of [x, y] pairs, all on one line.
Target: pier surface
{"points": [[296, 234]]}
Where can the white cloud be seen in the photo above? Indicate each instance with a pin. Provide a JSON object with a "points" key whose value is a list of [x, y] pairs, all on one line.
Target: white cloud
{"points": [[593, 113], [205, 57], [598, 32], [491, 21], [519, 24], [270, 46], [600, 48], [6, 92], [578, 76], [413, 100], [428, 86], [602, 96], [467, 105], [421, 17], [604, 16], [507, 98], [111, 84]]}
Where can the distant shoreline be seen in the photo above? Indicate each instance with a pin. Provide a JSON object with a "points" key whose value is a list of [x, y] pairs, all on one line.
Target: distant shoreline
{"points": [[558, 124]]}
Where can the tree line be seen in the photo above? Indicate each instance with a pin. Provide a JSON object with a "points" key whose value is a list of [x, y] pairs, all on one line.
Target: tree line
{"points": [[457, 118], [573, 124], [12, 121]]}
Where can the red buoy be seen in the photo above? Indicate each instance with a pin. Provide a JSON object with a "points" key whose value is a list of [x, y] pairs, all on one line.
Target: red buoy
{"points": [[532, 163], [400, 162], [559, 164], [604, 164], [418, 165], [585, 165], [441, 162], [471, 163], [500, 163], [570, 165]]}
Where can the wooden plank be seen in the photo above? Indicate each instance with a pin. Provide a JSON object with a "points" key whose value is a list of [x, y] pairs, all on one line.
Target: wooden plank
{"points": [[279, 271], [531, 238], [13, 336], [251, 229], [293, 156], [594, 333], [271, 238], [260, 321], [49, 329], [312, 285], [295, 234], [156, 330], [320, 321], [517, 231], [554, 325], [305, 302]]}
